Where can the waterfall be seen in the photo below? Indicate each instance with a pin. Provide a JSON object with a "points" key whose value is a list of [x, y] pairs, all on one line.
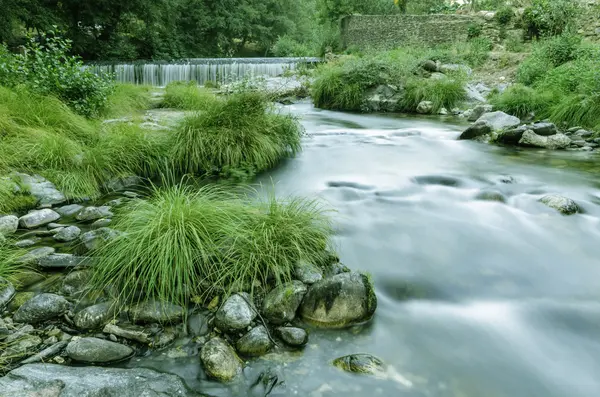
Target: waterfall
{"points": [[217, 70]]}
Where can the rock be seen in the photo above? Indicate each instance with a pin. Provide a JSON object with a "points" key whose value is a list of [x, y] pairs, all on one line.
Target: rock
{"points": [[562, 204], [254, 343], [24, 346], [473, 95], [55, 226], [93, 213], [429, 66], [382, 98], [47, 353], [583, 133], [62, 261], [558, 141], [97, 351], [124, 183], [441, 180], [7, 291], [38, 218], [307, 272], [339, 301], [360, 364], [280, 305], [477, 130], [41, 308], [443, 112], [19, 299], [34, 255], [104, 222], [156, 312], [67, 234], [19, 334], [478, 111], [51, 380], [131, 195], [27, 242], [95, 239], [425, 107], [96, 316], [511, 135], [75, 283], [578, 143], [220, 361], [8, 225], [498, 121], [491, 195], [42, 189], [197, 324], [543, 129], [292, 336], [236, 313], [131, 332], [69, 210]]}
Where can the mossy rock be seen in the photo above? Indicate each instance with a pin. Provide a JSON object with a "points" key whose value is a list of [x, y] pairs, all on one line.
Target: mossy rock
{"points": [[360, 364]]}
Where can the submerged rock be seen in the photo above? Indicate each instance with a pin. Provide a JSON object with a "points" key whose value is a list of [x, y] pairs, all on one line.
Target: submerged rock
{"points": [[553, 142], [562, 204], [95, 316], [93, 213], [255, 343], [97, 238], [62, 261], [360, 364], [131, 332], [220, 360], [69, 210], [51, 380], [7, 291], [156, 312], [491, 195], [41, 308], [340, 301], [38, 218], [98, 351], [67, 234], [280, 305], [292, 336], [8, 224], [236, 313]]}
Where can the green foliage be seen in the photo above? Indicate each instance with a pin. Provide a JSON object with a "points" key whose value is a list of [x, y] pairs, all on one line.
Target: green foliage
{"points": [[188, 96], [514, 45], [520, 101], [14, 198], [186, 242], [478, 51], [547, 54], [286, 46], [236, 133], [546, 18], [505, 15], [578, 110], [443, 92], [9, 255], [474, 30], [127, 99]]}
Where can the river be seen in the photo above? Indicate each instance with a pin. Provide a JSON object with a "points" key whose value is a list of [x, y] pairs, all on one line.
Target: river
{"points": [[476, 298]]}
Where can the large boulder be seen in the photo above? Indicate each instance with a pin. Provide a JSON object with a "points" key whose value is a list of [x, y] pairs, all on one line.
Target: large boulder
{"points": [[41, 308], [7, 291], [280, 305], [236, 313], [255, 343], [479, 111], [564, 205], [38, 218], [511, 135], [51, 380], [476, 130], [339, 301], [156, 312], [553, 142], [498, 121], [220, 360], [97, 351], [96, 316], [543, 129], [8, 225], [42, 189]]}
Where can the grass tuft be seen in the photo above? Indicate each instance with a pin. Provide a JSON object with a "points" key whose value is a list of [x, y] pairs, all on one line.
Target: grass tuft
{"points": [[444, 93], [520, 101], [188, 96], [127, 99]]}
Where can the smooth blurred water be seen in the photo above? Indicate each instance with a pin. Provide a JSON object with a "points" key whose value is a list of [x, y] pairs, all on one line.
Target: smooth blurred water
{"points": [[476, 298]]}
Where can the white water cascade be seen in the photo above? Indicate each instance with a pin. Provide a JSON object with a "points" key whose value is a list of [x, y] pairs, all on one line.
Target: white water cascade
{"points": [[217, 70]]}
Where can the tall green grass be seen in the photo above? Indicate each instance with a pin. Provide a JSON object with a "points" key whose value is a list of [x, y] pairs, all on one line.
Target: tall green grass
{"points": [[14, 198], [521, 101], [443, 93], [9, 255], [184, 241], [127, 99], [239, 133], [188, 96]]}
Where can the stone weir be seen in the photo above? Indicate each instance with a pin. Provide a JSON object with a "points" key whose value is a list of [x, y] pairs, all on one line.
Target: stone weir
{"points": [[201, 70]]}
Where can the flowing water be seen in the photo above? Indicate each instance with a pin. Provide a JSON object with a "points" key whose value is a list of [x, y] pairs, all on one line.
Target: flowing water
{"points": [[201, 70], [476, 298]]}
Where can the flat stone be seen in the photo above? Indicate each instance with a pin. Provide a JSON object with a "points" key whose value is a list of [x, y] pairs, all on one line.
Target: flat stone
{"points": [[104, 222], [69, 210], [41, 308], [220, 360], [93, 213], [280, 305], [499, 120], [255, 343], [131, 332], [553, 142], [236, 313], [34, 255], [156, 312], [8, 225], [7, 292], [38, 218], [97, 351], [27, 242], [96, 316], [292, 336], [67, 234], [62, 261]]}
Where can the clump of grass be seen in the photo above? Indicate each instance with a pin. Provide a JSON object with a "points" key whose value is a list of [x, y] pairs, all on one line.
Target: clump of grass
{"points": [[188, 96], [578, 110], [443, 93], [237, 133], [9, 255], [521, 101], [14, 198], [127, 99], [184, 242]]}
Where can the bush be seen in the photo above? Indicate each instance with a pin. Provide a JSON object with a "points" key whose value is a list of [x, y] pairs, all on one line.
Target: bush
{"points": [[478, 51], [444, 93], [186, 241], [578, 110], [547, 54], [546, 18], [239, 133], [188, 96], [504, 15], [45, 68], [474, 30], [520, 101], [285, 46]]}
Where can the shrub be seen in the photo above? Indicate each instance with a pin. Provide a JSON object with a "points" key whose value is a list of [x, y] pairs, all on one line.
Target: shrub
{"points": [[187, 96], [478, 51], [286, 46], [474, 30], [504, 15], [578, 110], [546, 18], [186, 241], [547, 54], [444, 93], [237, 133], [520, 101]]}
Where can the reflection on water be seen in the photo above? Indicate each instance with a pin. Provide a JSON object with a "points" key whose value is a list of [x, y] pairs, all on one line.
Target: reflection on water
{"points": [[477, 297]]}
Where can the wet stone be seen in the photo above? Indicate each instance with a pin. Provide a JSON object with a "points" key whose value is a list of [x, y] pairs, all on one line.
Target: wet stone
{"points": [[69, 210], [75, 283], [307, 272], [96, 316], [41, 308], [8, 224], [197, 324], [38, 218], [280, 305], [97, 351], [255, 343], [97, 238], [220, 360], [360, 364], [490, 195], [27, 242], [562, 204], [62, 261], [7, 292], [19, 299], [93, 213], [55, 225], [34, 255], [156, 312], [100, 223], [67, 234], [236, 313], [292, 336], [131, 332]]}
